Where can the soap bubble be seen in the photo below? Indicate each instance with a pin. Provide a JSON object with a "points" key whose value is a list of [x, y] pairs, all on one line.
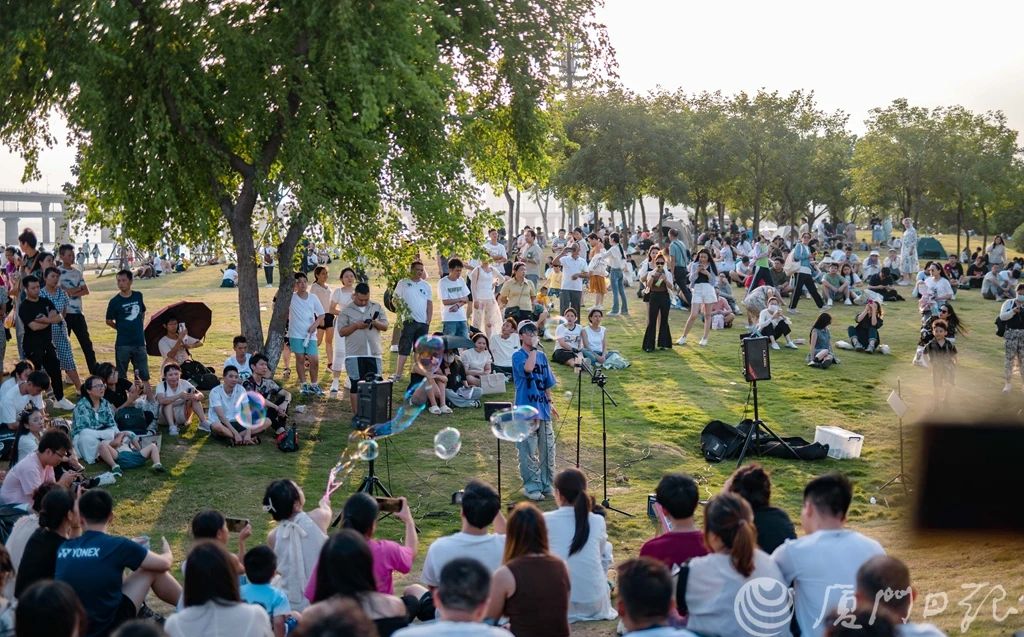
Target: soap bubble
{"points": [[514, 424], [413, 404], [447, 443], [429, 347], [252, 410], [568, 395], [367, 449]]}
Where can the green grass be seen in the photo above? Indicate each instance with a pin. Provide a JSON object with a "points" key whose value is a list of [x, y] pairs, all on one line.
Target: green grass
{"points": [[664, 400]]}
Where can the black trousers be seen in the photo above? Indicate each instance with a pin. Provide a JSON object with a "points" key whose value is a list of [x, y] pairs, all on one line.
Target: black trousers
{"points": [[77, 326], [681, 277], [268, 272], [45, 358], [777, 331], [762, 276], [657, 321], [805, 281]]}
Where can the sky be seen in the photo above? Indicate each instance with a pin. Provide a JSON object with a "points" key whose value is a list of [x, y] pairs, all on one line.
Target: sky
{"points": [[854, 56]]}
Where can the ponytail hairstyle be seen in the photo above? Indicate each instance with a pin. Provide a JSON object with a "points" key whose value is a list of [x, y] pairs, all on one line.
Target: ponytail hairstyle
{"points": [[730, 518], [572, 484], [55, 506]]}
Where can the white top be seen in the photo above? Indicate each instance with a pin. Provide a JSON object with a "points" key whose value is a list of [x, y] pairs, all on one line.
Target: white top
{"points": [[230, 274], [457, 629], [728, 258], [220, 620], [599, 263], [297, 544], [819, 566], [767, 317], [220, 398], [571, 266], [487, 549], [164, 389], [940, 288], [503, 348], [27, 444], [301, 314], [838, 255], [474, 360], [588, 581], [244, 371], [448, 289], [595, 338], [713, 586], [496, 250], [616, 257], [483, 283], [12, 401], [573, 338], [166, 344], [323, 293], [415, 295]]}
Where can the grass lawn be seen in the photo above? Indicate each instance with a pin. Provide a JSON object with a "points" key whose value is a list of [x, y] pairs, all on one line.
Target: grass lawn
{"points": [[664, 400]]}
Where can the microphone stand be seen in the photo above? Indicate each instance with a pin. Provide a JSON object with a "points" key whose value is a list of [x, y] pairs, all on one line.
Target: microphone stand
{"points": [[598, 378]]}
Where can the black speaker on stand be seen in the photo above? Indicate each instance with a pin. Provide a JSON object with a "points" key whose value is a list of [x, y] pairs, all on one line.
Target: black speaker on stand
{"points": [[757, 366], [489, 410]]}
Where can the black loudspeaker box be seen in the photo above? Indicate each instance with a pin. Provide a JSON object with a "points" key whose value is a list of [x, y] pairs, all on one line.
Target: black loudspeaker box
{"points": [[756, 365], [373, 402], [490, 408]]}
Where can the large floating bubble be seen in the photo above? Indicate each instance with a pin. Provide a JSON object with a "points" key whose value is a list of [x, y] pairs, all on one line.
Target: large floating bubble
{"points": [[367, 449], [413, 403], [252, 410], [515, 424], [447, 443]]}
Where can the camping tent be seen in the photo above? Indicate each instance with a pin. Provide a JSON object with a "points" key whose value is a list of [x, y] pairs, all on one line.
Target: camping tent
{"points": [[930, 248]]}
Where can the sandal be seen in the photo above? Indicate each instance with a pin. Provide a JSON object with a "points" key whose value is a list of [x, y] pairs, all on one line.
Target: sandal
{"points": [[287, 372]]}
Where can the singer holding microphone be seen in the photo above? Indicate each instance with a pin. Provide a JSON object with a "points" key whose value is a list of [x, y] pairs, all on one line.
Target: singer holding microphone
{"points": [[533, 379]]}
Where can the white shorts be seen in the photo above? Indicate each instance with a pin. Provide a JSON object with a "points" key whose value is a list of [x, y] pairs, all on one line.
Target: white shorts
{"points": [[703, 293]]}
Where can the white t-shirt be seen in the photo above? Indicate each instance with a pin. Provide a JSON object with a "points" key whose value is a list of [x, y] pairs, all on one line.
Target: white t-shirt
{"points": [[415, 295], [301, 314], [164, 389], [713, 585], [268, 254], [503, 348], [12, 401], [571, 266], [474, 360], [595, 338], [940, 288], [444, 628], [220, 398], [448, 289], [487, 549], [496, 250], [244, 371], [230, 274], [483, 283], [573, 338], [342, 297], [166, 344], [588, 598], [822, 567]]}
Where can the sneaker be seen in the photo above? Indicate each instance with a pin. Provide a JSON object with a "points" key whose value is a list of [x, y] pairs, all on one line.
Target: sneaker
{"points": [[702, 342], [536, 496], [791, 345], [613, 313], [681, 341], [205, 426], [159, 468], [105, 479], [305, 389], [394, 349], [828, 303], [445, 409], [793, 310], [435, 410], [172, 430], [847, 302], [334, 386], [116, 471], [775, 346], [316, 389], [1006, 388], [64, 404]]}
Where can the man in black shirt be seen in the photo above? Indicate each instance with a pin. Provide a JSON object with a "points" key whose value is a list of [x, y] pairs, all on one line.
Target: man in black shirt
{"points": [[38, 315]]}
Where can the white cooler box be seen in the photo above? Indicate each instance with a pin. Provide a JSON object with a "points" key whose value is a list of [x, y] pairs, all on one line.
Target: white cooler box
{"points": [[842, 444]]}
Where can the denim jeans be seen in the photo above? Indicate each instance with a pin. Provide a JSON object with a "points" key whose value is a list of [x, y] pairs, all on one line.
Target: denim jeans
{"points": [[618, 291], [136, 355], [538, 472], [455, 328]]}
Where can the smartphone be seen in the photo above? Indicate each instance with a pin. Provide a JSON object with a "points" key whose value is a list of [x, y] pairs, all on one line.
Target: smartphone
{"points": [[235, 525], [190, 390], [389, 505]]}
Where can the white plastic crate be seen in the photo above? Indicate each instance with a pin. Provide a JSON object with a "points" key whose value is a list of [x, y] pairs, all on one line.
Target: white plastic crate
{"points": [[842, 444]]}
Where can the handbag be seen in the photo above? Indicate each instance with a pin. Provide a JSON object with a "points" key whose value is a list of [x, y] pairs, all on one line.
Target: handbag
{"points": [[791, 266], [492, 383]]}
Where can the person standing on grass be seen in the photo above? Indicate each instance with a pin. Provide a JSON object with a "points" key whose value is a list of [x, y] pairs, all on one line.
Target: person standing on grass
{"points": [[39, 315], [324, 333], [126, 313], [804, 275], [533, 380], [73, 282], [533, 256], [417, 296], [52, 291], [269, 254], [305, 316], [360, 324], [574, 270], [454, 295]]}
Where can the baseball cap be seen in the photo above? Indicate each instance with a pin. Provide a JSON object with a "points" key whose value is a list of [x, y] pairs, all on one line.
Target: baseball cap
{"points": [[874, 253], [527, 326]]}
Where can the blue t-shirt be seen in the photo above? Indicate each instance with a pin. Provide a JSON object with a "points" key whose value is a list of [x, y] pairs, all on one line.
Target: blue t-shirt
{"points": [[93, 565], [530, 388], [272, 599], [128, 313]]}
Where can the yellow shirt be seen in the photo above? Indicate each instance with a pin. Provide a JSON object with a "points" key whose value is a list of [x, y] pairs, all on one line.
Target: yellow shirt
{"points": [[518, 294], [555, 280]]}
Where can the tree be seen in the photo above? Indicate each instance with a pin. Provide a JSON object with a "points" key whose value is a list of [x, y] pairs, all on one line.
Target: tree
{"points": [[188, 114], [831, 169], [710, 162]]}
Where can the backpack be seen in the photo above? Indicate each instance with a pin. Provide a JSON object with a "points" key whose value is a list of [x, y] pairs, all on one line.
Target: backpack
{"points": [[131, 419], [1000, 324], [288, 440]]}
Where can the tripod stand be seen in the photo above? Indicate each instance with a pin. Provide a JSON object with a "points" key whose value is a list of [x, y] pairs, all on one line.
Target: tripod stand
{"points": [[900, 407], [598, 378], [754, 434]]}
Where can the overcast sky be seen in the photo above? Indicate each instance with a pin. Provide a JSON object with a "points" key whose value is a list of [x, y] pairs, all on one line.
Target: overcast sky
{"points": [[854, 55]]}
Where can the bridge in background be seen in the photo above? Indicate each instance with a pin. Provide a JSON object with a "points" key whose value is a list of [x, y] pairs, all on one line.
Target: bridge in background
{"points": [[51, 213]]}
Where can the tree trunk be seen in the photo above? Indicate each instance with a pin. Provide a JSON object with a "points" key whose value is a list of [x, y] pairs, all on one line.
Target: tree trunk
{"points": [[519, 210], [984, 228], [632, 218], [239, 218], [661, 212], [543, 208], [720, 209], [959, 222], [509, 228], [643, 213], [561, 206], [757, 212], [286, 272]]}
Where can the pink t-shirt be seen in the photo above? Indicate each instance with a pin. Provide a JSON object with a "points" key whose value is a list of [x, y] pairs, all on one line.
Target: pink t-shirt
{"points": [[24, 478], [388, 556]]}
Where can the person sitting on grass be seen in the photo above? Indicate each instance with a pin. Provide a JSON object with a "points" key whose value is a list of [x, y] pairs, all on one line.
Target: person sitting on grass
{"points": [[21, 482], [50, 609], [58, 521], [176, 345], [773, 323], [360, 513], [211, 526], [722, 311], [822, 355], [225, 406], [823, 562], [883, 587], [429, 381], [864, 335], [178, 399], [93, 424], [461, 600], [595, 338], [646, 591], [503, 345], [126, 452], [569, 340], [19, 395], [752, 483], [757, 300], [277, 398], [213, 605], [240, 358], [675, 500], [260, 568], [94, 563], [297, 538], [478, 359], [229, 279], [835, 287]]}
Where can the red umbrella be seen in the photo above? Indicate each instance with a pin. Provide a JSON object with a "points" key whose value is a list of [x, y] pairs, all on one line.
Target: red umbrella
{"points": [[196, 316]]}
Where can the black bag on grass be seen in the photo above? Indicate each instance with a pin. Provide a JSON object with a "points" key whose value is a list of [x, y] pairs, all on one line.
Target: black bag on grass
{"points": [[288, 440]]}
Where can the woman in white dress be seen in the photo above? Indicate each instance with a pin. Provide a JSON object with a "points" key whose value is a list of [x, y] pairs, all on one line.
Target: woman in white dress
{"points": [[579, 536], [340, 298], [908, 253], [703, 277], [325, 332], [297, 538]]}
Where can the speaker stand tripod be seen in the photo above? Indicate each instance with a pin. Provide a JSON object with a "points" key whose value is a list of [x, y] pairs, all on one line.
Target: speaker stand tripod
{"points": [[902, 478], [754, 434]]}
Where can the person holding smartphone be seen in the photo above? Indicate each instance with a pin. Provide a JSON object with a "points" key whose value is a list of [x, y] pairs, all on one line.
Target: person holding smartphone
{"points": [[178, 400], [361, 323], [533, 378], [1012, 315]]}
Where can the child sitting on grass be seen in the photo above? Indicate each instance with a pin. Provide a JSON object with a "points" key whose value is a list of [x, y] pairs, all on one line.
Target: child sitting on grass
{"points": [[260, 568]]}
